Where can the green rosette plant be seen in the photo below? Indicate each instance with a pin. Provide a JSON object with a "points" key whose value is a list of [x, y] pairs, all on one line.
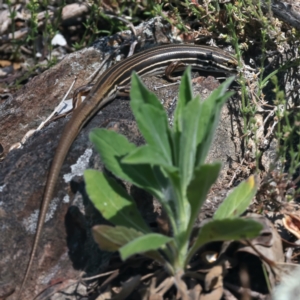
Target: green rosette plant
{"points": [[170, 166]]}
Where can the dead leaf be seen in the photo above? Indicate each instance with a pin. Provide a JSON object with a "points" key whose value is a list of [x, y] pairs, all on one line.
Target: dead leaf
{"points": [[267, 246], [182, 291], [292, 223], [155, 297], [214, 278], [195, 292], [17, 66], [164, 286], [214, 295], [268, 242], [5, 63]]}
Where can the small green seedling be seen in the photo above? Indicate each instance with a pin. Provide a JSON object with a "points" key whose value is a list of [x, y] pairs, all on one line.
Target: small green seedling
{"points": [[170, 166]]}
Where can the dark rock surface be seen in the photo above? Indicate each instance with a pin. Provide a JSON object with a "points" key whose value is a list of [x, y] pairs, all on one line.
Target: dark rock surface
{"points": [[23, 175]]}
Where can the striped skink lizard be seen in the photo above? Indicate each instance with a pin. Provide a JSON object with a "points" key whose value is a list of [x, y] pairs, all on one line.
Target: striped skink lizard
{"points": [[149, 62]]}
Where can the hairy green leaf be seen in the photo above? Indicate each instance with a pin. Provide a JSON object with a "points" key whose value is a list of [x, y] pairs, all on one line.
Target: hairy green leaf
{"points": [[176, 204], [225, 230], [203, 178], [153, 124], [146, 155], [140, 95], [112, 147], [237, 201], [142, 244], [185, 96], [113, 201], [209, 118], [188, 141], [111, 238]]}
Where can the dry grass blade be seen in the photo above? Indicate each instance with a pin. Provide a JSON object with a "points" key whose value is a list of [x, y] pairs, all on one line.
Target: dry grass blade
{"points": [[164, 286], [181, 287]]}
